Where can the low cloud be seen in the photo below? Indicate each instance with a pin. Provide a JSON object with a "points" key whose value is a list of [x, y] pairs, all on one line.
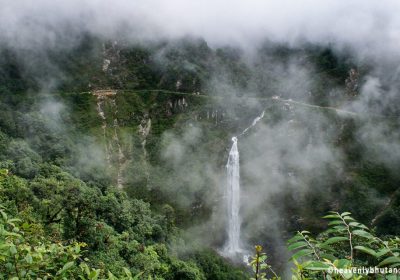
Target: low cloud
{"points": [[371, 28]]}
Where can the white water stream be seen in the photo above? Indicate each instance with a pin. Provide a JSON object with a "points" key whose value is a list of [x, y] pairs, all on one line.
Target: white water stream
{"points": [[232, 246], [233, 200]]}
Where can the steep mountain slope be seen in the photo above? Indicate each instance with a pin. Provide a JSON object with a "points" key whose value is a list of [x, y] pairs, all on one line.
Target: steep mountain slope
{"points": [[155, 122]]}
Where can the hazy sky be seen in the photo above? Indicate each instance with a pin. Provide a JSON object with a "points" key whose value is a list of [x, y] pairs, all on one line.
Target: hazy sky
{"points": [[373, 27]]}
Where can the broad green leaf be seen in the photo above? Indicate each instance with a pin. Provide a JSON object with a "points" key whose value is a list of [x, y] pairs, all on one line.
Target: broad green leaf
{"points": [[355, 224], [25, 226], [335, 239], [66, 266], [332, 216], [328, 256], [127, 272], [366, 250], [336, 222], [111, 276], [389, 260], [348, 218], [28, 258], [347, 275], [325, 247], [340, 228], [12, 234], [85, 268], [295, 238], [301, 253], [315, 265], [345, 214], [382, 252], [363, 233], [4, 215], [137, 277], [13, 249], [297, 245], [342, 263], [391, 277], [94, 274]]}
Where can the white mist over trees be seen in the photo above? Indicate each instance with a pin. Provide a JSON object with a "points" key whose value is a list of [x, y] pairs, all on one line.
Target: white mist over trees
{"points": [[186, 76]]}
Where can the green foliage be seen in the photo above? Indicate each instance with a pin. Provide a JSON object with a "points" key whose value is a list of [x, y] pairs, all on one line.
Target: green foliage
{"points": [[60, 182], [214, 267], [25, 256], [260, 266], [337, 252], [59, 215]]}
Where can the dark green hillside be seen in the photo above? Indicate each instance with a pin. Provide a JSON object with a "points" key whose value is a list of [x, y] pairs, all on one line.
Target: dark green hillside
{"points": [[121, 150]]}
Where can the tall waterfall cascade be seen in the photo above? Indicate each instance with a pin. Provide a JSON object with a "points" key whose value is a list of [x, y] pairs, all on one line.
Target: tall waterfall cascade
{"points": [[232, 246], [233, 199]]}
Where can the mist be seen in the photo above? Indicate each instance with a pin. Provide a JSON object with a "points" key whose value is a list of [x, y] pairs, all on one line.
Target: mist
{"points": [[293, 150], [370, 28]]}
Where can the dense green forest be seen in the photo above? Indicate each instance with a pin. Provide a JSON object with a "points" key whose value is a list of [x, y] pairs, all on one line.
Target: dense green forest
{"points": [[112, 158]]}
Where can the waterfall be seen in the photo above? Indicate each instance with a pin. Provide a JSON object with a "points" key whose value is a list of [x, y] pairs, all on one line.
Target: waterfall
{"points": [[233, 199], [255, 121], [232, 246]]}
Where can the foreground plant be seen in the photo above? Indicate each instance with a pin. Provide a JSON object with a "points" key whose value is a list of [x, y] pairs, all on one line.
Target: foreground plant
{"points": [[260, 265], [346, 250], [25, 257]]}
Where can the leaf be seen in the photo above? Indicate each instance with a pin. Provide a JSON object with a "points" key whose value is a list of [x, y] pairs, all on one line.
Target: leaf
{"points": [[94, 274], [295, 238], [28, 258], [348, 218], [347, 275], [391, 277], [345, 214], [127, 272], [389, 260], [297, 245], [25, 226], [335, 239], [340, 228], [85, 268], [335, 222], [314, 265], [111, 276], [137, 276], [328, 256], [4, 215], [66, 266], [355, 224], [342, 263], [12, 234], [363, 233], [262, 258], [13, 249], [332, 216], [382, 252], [366, 250], [325, 247], [301, 253]]}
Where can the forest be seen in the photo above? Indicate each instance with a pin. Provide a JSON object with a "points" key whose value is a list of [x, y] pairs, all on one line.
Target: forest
{"points": [[119, 156]]}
